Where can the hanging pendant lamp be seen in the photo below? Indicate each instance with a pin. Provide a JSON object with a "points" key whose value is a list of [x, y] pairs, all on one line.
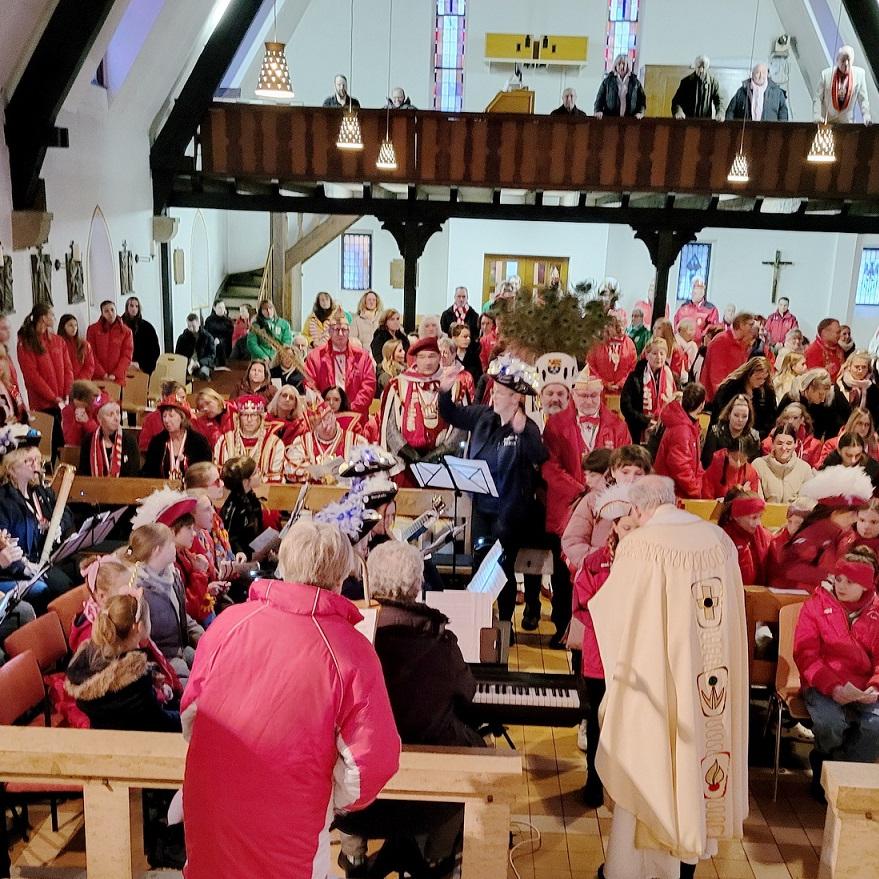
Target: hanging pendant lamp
{"points": [[387, 155], [349, 131], [738, 173], [823, 149], [274, 75]]}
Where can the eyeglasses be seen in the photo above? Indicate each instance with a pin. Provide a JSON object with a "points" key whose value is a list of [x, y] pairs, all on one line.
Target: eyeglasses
{"points": [[340, 330]]}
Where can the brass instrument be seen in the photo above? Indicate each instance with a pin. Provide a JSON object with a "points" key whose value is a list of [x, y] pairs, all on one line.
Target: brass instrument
{"points": [[67, 471]]}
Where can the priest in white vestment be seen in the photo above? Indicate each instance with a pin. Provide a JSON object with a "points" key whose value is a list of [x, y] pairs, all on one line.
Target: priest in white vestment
{"points": [[673, 751]]}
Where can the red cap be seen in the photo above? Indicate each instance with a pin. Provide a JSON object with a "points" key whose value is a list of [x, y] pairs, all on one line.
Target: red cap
{"points": [[251, 403], [171, 514], [429, 343], [174, 403]]}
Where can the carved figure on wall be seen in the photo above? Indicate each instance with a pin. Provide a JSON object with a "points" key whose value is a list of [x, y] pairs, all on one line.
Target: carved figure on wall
{"points": [[7, 303], [75, 278], [126, 270], [41, 277]]}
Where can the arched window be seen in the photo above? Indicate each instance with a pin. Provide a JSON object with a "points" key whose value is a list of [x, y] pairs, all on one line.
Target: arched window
{"points": [[101, 278]]}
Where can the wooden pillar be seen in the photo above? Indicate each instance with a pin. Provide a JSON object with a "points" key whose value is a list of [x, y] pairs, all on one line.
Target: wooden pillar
{"points": [[411, 236], [850, 848], [279, 275], [663, 245], [486, 838], [109, 851]]}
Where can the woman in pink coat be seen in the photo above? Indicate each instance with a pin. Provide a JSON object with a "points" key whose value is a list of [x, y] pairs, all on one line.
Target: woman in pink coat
{"points": [[288, 719], [613, 507], [836, 649]]}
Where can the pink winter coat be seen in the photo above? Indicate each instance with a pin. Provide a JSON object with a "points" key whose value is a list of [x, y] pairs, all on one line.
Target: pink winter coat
{"points": [[320, 374], [585, 532], [829, 651], [288, 719], [592, 576]]}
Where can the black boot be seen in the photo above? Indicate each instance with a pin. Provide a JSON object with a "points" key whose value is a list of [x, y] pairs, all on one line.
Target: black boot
{"points": [[688, 871], [593, 791], [816, 761]]}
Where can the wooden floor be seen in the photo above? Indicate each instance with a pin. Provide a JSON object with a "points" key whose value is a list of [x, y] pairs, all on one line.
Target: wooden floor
{"points": [[782, 840]]}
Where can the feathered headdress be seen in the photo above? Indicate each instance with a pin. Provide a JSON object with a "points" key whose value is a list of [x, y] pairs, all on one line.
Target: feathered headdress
{"points": [[614, 502], [350, 515], [839, 487], [365, 460], [515, 374], [165, 505]]}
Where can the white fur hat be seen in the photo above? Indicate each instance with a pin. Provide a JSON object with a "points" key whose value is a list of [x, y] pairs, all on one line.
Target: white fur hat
{"points": [[839, 487], [556, 368], [613, 502]]}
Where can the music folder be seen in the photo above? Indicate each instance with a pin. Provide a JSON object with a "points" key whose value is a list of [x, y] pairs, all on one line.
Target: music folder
{"points": [[94, 530], [459, 474]]}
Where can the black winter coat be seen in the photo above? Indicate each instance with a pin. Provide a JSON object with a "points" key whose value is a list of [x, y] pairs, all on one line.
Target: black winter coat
{"points": [[762, 401], [156, 463], [222, 328], [117, 693], [472, 363], [382, 335], [242, 516], [828, 419], [146, 343], [607, 101], [429, 684], [130, 456], [201, 345]]}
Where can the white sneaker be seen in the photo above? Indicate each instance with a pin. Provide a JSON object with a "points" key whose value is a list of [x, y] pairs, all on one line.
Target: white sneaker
{"points": [[581, 736], [799, 733]]}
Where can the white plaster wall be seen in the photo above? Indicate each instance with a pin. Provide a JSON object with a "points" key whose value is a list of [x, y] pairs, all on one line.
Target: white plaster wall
{"points": [[818, 284]]}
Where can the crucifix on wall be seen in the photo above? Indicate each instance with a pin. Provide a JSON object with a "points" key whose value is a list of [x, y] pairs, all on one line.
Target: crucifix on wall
{"points": [[777, 265]]}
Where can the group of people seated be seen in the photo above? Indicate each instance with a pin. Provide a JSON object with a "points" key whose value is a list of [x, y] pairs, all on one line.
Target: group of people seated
{"points": [[567, 440]]}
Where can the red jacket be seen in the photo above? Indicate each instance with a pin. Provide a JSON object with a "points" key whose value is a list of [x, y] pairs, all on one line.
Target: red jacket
{"points": [[678, 452], [724, 355], [75, 432], [613, 370], [563, 470], [152, 424], [210, 428], [753, 552], [778, 326], [827, 357], [48, 377], [591, 577], [829, 651], [113, 346], [721, 476], [294, 699], [86, 369], [703, 316], [808, 556], [320, 374]]}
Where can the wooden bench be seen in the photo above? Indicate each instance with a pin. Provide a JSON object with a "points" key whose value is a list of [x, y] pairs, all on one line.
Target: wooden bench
{"points": [[850, 848], [113, 767], [774, 516]]}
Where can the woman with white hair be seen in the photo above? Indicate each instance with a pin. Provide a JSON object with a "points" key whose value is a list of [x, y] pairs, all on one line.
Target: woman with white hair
{"points": [[620, 92], [430, 686], [814, 392], [293, 698]]}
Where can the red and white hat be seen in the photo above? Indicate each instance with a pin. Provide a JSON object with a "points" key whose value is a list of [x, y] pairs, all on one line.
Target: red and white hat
{"points": [[556, 368], [840, 487], [165, 506], [251, 404]]}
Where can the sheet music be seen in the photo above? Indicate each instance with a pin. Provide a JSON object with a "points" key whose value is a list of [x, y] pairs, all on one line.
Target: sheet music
{"points": [[369, 623], [490, 578], [468, 612], [472, 475]]}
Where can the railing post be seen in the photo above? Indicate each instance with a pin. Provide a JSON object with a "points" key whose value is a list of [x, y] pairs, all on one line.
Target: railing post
{"points": [[486, 838]]}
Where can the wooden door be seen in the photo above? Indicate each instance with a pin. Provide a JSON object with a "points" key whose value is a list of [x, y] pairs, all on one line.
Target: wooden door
{"points": [[535, 271]]}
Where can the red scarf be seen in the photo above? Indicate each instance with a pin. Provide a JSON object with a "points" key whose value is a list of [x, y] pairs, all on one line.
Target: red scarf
{"points": [[100, 464], [460, 313], [657, 394], [838, 79]]}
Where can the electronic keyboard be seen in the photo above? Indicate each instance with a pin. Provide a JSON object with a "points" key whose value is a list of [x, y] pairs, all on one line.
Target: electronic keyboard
{"points": [[527, 698]]}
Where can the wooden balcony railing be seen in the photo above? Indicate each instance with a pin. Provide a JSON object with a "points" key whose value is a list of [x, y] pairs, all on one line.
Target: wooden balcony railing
{"points": [[298, 144]]}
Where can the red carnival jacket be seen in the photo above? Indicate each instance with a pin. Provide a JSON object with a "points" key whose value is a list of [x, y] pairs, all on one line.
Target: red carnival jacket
{"points": [[113, 346], [613, 360], [678, 452], [753, 552], [320, 374], [591, 577], [721, 476], [48, 377], [86, 369], [807, 557], [827, 357]]}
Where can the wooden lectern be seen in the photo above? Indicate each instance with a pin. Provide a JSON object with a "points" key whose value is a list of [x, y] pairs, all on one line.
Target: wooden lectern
{"points": [[516, 101]]}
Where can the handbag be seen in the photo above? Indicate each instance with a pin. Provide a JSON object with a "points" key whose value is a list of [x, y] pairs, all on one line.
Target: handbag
{"points": [[574, 634]]}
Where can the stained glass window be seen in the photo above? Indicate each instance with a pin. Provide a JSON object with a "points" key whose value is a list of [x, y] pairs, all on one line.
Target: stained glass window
{"points": [[622, 32], [867, 292], [448, 55], [695, 262], [356, 261]]}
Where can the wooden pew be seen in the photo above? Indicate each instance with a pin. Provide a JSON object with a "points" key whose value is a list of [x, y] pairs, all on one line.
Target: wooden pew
{"points": [[113, 767], [763, 606], [850, 848], [774, 516]]}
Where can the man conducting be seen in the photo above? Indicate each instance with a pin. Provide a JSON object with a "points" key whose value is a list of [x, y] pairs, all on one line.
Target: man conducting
{"points": [[673, 751]]}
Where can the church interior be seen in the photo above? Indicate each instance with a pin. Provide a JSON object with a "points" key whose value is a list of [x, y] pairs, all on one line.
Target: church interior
{"points": [[159, 150]]}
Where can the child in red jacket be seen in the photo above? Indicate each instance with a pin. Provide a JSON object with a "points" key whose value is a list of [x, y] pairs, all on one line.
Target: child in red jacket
{"points": [[740, 518], [612, 505], [836, 649]]}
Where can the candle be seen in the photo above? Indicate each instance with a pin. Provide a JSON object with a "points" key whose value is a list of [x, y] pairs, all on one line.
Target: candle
{"points": [[75, 252]]}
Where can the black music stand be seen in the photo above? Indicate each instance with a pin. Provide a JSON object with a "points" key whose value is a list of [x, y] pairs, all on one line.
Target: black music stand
{"points": [[459, 475]]}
